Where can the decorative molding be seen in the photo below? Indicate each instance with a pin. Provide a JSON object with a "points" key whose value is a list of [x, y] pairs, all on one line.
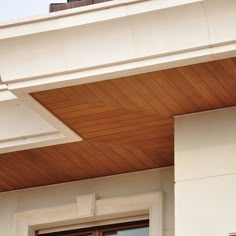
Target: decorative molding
{"points": [[89, 209], [69, 135], [60, 20], [69, 12], [5, 94], [86, 205], [62, 133], [124, 68], [29, 141]]}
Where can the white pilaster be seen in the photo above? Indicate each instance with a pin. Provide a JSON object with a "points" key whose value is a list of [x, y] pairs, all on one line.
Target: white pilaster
{"points": [[205, 173]]}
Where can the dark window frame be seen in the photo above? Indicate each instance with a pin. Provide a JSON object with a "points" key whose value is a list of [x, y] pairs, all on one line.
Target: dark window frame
{"points": [[99, 230]]}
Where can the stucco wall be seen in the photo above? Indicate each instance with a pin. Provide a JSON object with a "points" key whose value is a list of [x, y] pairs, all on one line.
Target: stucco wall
{"points": [[119, 185], [205, 173]]}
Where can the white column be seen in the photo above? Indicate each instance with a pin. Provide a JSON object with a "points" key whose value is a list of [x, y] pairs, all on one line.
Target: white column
{"points": [[205, 173]]}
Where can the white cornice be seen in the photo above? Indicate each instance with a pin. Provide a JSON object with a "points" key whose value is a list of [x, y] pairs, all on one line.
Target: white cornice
{"points": [[124, 68], [82, 16]]}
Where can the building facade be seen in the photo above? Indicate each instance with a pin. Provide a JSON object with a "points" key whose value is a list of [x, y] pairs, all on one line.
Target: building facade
{"points": [[120, 114]]}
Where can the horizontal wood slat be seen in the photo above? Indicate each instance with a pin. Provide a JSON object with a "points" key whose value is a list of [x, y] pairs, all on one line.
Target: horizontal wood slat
{"points": [[127, 123]]}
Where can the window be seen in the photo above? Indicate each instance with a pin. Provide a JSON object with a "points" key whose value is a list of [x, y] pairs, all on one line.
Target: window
{"points": [[140, 228]]}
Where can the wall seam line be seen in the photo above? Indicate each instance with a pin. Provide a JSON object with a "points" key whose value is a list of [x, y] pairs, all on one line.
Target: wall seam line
{"points": [[207, 177]]}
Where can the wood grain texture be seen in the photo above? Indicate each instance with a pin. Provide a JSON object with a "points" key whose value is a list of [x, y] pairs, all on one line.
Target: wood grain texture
{"points": [[127, 123]]}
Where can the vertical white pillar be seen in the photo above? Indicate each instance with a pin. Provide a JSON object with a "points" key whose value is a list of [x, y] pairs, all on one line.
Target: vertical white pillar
{"points": [[205, 173]]}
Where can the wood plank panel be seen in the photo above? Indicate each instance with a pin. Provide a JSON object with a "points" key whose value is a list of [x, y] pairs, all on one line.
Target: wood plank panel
{"points": [[127, 123]]}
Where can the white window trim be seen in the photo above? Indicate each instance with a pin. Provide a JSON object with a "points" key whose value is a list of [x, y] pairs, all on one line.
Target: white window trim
{"points": [[94, 224], [89, 208]]}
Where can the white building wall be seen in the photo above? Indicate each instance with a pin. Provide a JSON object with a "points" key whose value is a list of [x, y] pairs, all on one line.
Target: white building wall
{"points": [[205, 173], [106, 187]]}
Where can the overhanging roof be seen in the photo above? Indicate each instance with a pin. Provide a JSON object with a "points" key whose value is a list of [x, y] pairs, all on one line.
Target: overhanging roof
{"points": [[127, 123]]}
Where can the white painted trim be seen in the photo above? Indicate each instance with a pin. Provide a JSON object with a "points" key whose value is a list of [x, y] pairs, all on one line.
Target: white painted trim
{"points": [[5, 94], [34, 141], [102, 209], [123, 68], [86, 205], [63, 134], [27, 136], [3, 87], [61, 19], [68, 12], [69, 134], [95, 224]]}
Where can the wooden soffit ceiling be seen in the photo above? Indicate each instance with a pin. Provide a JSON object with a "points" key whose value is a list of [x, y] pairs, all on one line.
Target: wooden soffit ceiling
{"points": [[127, 123]]}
